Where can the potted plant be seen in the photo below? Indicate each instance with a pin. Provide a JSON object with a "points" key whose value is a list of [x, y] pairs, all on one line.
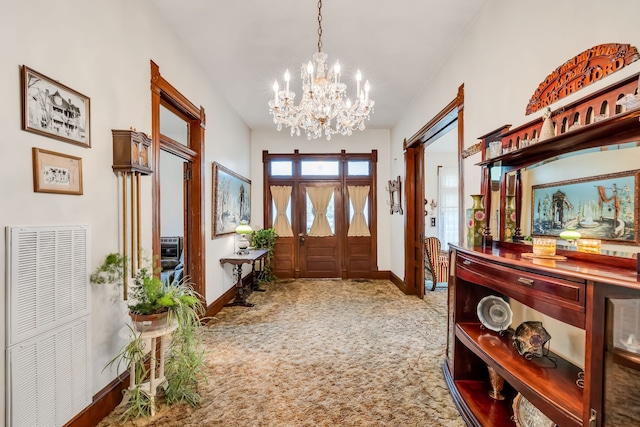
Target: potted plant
{"points": [[152, 303], [265, 239], [175, 304]]}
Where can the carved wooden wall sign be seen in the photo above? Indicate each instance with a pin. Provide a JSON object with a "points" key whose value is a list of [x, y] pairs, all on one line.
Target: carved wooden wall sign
{"points": [[580, 71]]}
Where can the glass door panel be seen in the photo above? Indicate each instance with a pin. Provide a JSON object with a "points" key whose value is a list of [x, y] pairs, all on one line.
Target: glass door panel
{"points": [[622, 364]]}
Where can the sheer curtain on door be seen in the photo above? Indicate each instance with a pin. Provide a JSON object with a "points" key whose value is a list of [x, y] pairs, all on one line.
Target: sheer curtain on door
{"points": [[358, 195], [281, 195], [320, 198]]}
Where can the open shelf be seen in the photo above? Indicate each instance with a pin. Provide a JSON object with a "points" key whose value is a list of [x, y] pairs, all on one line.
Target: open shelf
{"points": [[613, 130], [551, 389], [484, 410]]}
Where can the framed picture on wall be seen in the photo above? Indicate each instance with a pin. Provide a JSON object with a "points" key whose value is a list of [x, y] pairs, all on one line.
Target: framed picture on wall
{"points": [[603, 207], [56, 173], [52, 109], [231, 200]]}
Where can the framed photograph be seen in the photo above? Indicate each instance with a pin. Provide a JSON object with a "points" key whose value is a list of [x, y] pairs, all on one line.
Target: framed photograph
{"points": [[56, 173], [602, 207], [231, 200], [53, 109]]}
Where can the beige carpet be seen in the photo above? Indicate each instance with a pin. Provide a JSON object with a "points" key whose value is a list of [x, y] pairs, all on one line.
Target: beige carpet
{"points": [[323, 353]]}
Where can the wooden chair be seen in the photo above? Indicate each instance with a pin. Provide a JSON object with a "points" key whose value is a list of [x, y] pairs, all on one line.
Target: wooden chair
{"points": [[436, 264]]}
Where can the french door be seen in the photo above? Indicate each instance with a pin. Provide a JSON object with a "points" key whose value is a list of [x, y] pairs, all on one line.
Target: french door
{"points": [[322, 208], [319, 225]]}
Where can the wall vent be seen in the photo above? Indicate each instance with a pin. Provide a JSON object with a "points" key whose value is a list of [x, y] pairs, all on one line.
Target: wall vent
{"points": [[48, 324]]}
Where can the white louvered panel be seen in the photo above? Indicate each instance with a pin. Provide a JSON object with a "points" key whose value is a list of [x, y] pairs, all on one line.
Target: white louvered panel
{"points": [[79, 270], [48, 377], [79, 369], [48, 325], [64, 277], [47, 278], [24, 285], [45, 401]]}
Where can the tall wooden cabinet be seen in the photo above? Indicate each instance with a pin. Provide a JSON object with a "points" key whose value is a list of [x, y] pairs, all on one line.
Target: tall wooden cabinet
{"points": [[597, 293], [585, 293]]}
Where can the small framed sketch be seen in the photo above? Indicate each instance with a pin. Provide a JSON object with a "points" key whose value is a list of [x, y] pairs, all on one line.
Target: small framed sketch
{"points": [[53, 109], [56, 173]]}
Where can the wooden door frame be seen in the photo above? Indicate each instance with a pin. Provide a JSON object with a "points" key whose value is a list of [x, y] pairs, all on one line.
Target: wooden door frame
{"points": [[163, 92], [370, 270], [414, 191]]}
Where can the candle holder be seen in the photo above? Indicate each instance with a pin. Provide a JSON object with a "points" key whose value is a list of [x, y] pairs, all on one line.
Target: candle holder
{"points": [[544, 246], [497, 383], [591, 246]]}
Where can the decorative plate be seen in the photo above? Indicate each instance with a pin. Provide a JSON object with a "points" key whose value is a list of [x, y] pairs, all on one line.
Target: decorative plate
{"points": [[527, 415], [494, 313], [530, 338]]}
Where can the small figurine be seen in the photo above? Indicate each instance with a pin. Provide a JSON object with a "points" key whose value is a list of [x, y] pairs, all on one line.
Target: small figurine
{"points": [[547, 131]]}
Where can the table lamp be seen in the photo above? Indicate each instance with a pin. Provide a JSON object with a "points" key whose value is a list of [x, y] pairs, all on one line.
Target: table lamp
{"points": [[243, 243], [570, 235]]}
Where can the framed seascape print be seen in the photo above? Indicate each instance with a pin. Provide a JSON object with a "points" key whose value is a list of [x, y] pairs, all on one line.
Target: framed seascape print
{"points": [[56, 173], [603, 207], [231, 200], [53, 109]]}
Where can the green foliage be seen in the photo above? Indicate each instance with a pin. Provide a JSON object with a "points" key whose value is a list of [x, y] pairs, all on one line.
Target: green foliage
{"points": [[139, 404], [265, 239], [148, 294], [184, 361]]}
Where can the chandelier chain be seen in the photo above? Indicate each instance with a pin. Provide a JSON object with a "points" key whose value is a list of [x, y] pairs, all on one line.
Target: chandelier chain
{"points": [[320, 26], [325, 107]]}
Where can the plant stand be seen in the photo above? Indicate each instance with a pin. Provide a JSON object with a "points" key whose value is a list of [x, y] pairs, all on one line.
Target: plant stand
{"points": [[156, 377]]}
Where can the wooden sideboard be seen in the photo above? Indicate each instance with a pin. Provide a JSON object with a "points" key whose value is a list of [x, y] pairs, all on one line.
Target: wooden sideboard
{"points": [[586, 291]]}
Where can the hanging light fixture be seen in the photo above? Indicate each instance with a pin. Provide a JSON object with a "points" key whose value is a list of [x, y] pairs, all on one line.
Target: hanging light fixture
{"points": [[325, 107]]}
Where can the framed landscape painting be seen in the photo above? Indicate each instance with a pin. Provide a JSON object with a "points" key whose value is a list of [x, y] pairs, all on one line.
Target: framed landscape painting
{"points": [[52, 109], [602, 207], [231, 200]]}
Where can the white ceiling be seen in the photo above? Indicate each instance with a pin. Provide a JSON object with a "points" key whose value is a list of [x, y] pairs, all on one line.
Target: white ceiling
{"points": [[244, 45]]}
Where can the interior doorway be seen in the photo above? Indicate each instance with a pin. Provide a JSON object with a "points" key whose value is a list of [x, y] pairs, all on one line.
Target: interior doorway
{"points": [[451, 117], [178, 187], [441, 186]]}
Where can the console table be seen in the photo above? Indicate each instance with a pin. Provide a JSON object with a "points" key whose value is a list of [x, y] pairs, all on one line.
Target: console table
{"points": [[238, 260]]}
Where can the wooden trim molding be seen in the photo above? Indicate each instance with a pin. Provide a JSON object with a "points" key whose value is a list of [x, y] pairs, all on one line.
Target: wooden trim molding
{"points": [[414, 188], [163, 92], [103, 403]]}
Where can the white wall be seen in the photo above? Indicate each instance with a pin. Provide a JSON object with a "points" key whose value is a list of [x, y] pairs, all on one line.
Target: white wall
{"points": [[102, 49], [360, 142], [506, 52]]}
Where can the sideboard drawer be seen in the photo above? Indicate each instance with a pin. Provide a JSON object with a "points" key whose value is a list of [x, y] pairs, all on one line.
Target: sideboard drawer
{"points": [[561, 298]]}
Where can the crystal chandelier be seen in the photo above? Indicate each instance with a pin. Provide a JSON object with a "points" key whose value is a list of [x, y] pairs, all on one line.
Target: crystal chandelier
{"points": [[324, 99]]}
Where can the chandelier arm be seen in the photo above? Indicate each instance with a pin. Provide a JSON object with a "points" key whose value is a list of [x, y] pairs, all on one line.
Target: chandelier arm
{"points": [[324, 107]]}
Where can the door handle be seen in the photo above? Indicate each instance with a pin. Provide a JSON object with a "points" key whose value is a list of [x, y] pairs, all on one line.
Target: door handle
{"points": [[301, 238]]}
